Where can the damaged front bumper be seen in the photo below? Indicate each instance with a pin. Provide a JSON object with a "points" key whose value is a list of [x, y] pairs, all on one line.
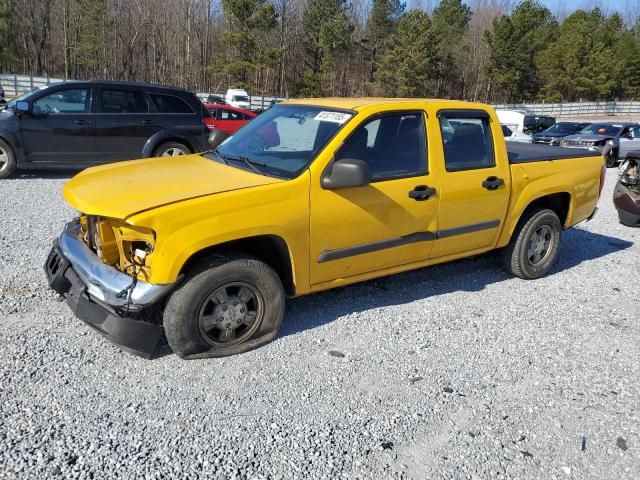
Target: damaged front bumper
{"points": [[105, 298]]}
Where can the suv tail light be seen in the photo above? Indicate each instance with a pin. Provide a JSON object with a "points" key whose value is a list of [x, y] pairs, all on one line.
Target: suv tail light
{"points": [[209, 122]]}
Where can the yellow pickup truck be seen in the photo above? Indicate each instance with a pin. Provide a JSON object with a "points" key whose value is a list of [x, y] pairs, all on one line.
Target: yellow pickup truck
{"points": [[312, 194]]}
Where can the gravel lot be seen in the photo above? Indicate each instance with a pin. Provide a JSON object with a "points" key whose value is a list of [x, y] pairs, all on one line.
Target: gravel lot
{"points": [[456, 371]]}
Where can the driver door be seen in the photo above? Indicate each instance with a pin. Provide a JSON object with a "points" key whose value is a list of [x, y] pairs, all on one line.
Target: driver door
{"points": [[386, 223], [60, 127]]}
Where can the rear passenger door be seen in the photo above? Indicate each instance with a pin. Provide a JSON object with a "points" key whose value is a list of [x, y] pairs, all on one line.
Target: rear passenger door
{"points": [[474, 188], [123, 123]]}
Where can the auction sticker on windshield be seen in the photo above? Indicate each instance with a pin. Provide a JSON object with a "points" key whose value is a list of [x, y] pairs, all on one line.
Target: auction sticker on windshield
{"points": [[336, 117]]}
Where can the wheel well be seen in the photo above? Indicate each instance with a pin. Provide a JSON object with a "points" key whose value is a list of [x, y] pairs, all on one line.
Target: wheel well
{"points": [[558, 202], [172, 139], [270, 249]]}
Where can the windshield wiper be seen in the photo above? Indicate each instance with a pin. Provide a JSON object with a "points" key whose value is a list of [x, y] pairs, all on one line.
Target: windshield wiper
{"points": [[215, 152], [250, 163]]}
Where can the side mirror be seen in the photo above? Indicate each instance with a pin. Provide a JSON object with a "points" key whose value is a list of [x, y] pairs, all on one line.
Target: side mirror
{"points": [[217, 137], [346, 173], [23, 107]]}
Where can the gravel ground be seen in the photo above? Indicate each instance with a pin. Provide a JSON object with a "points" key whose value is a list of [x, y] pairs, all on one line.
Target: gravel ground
{"points": [[456, 371]]}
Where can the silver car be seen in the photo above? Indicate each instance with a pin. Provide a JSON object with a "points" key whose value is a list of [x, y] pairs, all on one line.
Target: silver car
{"points": [[608, 138]]}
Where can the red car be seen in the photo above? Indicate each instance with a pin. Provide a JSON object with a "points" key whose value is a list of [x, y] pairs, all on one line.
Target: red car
{"points": [[227, 118]]}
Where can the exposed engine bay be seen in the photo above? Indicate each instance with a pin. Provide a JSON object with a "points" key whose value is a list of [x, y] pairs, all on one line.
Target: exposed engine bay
{"points": [[626, 196], [119, 244], [630, 173]]}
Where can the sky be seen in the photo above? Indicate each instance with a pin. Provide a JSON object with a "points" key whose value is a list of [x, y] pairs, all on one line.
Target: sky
{"points": [[608, 6]]}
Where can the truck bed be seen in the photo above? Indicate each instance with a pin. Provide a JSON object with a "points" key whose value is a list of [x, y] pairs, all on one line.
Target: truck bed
{"points": [[533, 152]]}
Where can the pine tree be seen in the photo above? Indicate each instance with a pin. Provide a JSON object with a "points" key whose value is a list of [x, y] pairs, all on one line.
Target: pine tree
{"points": [[408, 67], [514, 43], [328, 30], [450, 26], [380, 24], [246, 19]]}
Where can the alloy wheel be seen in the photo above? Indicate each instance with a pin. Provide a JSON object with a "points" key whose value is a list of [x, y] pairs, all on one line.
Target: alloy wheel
{"points": [[231, 314]]}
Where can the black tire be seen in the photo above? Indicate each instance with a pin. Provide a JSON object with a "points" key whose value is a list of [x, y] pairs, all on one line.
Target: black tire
{"points": [[611, 159], [7, 160], [532, 230], [165, 149], [185, 318]]}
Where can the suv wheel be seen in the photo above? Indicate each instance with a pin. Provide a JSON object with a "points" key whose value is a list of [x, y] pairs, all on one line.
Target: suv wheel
{"points": [[7, 160], [533, 248], [230, 305], [171, 149]]}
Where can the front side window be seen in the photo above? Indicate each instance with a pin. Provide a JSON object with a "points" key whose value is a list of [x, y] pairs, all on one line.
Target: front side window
{"points": [[123, 101], [394, 146], [74, 100], [283, 140], [468, 143]]}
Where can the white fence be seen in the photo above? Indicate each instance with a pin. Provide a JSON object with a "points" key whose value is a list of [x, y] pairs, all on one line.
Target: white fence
{"points": [[578, 109], [15, 85], [257, 102]]}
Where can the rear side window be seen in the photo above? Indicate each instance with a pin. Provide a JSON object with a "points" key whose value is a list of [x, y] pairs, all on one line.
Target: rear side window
{"points": [[123, 101], [468, 144], [170, 104]]}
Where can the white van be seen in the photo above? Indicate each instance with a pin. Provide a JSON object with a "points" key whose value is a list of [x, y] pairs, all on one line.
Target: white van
{"points": [[512, 122], [236, 97]]}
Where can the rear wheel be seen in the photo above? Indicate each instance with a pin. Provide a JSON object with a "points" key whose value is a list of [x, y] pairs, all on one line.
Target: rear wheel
{"points": [[533, 248], [231, 305], [171, 149], [7, 160]]}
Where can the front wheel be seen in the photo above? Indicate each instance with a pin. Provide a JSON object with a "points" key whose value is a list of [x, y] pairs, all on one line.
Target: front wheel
{"points": [[533, 248], [230, 305], [610, 159]]}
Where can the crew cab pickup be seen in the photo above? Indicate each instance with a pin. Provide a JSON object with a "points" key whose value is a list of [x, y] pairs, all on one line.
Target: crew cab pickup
{"points": [[206, 247]]}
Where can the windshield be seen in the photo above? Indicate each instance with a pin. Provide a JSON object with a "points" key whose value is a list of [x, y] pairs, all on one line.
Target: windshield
{"points": [[24, 96], [283, 140], [240, 98], [562, 128], [602, 129]]}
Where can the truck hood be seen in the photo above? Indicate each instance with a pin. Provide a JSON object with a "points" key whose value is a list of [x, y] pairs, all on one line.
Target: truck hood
{"points": [[119, 190]]}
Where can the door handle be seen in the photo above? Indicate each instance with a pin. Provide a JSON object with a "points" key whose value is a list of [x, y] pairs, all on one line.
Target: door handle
{"points": [[82, 122], [493, 183], [422, 192], [146, 122]]}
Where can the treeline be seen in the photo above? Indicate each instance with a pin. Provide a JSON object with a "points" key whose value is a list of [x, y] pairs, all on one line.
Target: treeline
{"points": [[486, 50]]}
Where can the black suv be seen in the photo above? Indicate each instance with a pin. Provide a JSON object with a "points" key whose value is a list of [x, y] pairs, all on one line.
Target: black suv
{"points": [[537, 123], [79, 124]]}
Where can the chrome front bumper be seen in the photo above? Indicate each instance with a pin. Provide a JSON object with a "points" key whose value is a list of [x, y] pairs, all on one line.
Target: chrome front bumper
{"points": [[105, 283]]}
